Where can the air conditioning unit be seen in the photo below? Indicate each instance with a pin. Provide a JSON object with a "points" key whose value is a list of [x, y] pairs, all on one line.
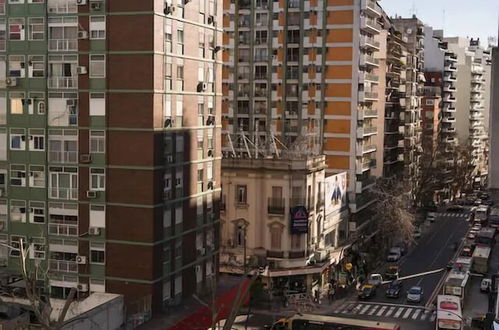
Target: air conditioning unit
{"points": [[169, 10], [83, 287], [95, 5], [81, 70], [202, 87], [81, 2], [81, 260], [11, 81], [91, 194], [94, 231], [85, 158], [82, 34]]}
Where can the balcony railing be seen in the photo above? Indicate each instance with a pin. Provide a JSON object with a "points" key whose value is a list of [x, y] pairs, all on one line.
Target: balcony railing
{"points": [[63, 266], [63, 44], [63, 193], [63, 229], [63, 82], [63, 157], [275, 205], [371, 77]]}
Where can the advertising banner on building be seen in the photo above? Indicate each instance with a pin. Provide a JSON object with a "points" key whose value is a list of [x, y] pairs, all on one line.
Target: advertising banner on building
{"points": [[299, 220], [336, 192]]}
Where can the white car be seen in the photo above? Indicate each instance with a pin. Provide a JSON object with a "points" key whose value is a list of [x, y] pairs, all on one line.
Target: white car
{"points": [[375, 279], [431, 216], [485, 285], [417, 233], [394, 254], [415, 294]]}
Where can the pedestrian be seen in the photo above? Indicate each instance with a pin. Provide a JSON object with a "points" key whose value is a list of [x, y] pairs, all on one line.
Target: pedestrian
{"points": [[317, 295]]}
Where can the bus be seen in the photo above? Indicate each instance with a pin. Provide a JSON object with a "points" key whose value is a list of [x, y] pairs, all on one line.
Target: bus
{"points": [[323, 322], [485, 237], [457, 284], [482, 213], [494, 217], [481, 257], [449, 315]]}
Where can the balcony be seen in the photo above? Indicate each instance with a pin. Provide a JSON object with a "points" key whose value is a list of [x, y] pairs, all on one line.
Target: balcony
{"points": [[450, 140], [449, 99], [369, 43], [476, 79], [476, 117], [63, 193], [450, 88], [449, 119], [367, 96], [450, 57], [63, 157], [63, 229], [60, 45], [369, 25], [361, 201], [369, 61], [362, 166], [450, 77], [63, 82], [363, 149], [450, 67], [366, 131], [63, 266], [448, 130], [367, 113], [449, 108], [476, 98], [364, 184], [275, 205], [369, 7]]}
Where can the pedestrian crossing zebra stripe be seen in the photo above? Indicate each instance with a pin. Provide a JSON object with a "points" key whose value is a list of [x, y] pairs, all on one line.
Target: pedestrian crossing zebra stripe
{"points": [[390, 310]]}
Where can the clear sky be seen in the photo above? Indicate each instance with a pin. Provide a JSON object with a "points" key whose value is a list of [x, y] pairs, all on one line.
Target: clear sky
{"points": [[464, 18]]}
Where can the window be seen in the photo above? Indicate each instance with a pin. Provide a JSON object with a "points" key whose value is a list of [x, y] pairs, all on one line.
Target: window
{"points": [[240, 235], [16, 103], [97, 179], [275, 238], [18, 175], [241, 192], [36, 66], [17, 211], [17, 139], [201, 44], [430, 102], [15, 243], [37, 248], [97, 141], [36, 28], [36, 212], [97, 253], [16, 66], [63, 183], [97, 27], [63, 146], [168, 36], [63, 33], [16, 28], [97, 66], [180, 77], [97, 104], [97, 216], [180, 41], [36, 139], [37, 176]]}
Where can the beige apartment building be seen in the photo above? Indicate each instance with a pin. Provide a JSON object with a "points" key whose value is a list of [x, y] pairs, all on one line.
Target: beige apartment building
{"points": [[275, 214], [305, 68]]}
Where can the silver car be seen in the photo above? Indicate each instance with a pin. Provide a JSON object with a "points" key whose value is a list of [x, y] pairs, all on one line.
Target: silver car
{"points": [[415, 294]]}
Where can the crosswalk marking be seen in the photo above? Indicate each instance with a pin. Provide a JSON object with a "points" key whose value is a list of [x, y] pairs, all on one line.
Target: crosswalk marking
{"points": [[381, 310], [433, 316], [399, 311], [407, 313], [415, 313], [373, 310], [365, 309]]}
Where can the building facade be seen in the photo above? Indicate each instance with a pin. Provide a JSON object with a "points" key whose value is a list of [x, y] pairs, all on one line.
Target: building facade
{"points": [[110, 156], [274, 214], [305, 68], [494, 121]]}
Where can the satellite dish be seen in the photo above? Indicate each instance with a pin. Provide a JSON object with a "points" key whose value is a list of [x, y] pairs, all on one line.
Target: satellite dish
{"points": [[409, 31]]}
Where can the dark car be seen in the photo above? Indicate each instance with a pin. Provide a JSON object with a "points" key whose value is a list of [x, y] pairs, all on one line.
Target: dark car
{"points": [[455, 208], [394, 289], [367, 291], [489, 203], [392, 273]]}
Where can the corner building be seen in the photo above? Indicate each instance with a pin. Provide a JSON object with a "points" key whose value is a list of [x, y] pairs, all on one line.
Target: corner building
{"points": [[109, 145]]}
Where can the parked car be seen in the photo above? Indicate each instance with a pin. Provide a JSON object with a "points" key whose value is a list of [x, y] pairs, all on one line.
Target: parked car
{"points": [[375, 279], [366, 291], [431, 216], [485, 285], [467, 251], [489, 203], [392, 273], [415, 294], [394, 289], [417, 233], [471, 236], [455, 208], [394, 254]]}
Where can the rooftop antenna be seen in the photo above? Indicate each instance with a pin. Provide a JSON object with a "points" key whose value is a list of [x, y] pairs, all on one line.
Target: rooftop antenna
{"points": [[443, 20], [414, 12]]}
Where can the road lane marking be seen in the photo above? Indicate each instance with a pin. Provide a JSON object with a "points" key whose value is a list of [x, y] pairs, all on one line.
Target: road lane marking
{"points": [[365, 309], [416, 313], [381, 311], [407, 313], [390, 311], [356, 309], [371, 312], [425, 315], [433, 316], [399, 311]]}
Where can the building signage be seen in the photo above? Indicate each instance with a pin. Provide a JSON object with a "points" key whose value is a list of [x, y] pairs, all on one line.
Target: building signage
{"points": [[335, 191], [299, 220]]}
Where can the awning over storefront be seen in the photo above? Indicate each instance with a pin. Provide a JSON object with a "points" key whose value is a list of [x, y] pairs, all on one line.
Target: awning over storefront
{"points": [[296, 271]]}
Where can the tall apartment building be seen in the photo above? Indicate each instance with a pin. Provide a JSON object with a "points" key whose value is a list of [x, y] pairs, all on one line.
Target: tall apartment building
{"points": [[471, 62], [413, 35], [430, 113], [305, 68], [110, 149], [494, 121], [394, 130]]}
